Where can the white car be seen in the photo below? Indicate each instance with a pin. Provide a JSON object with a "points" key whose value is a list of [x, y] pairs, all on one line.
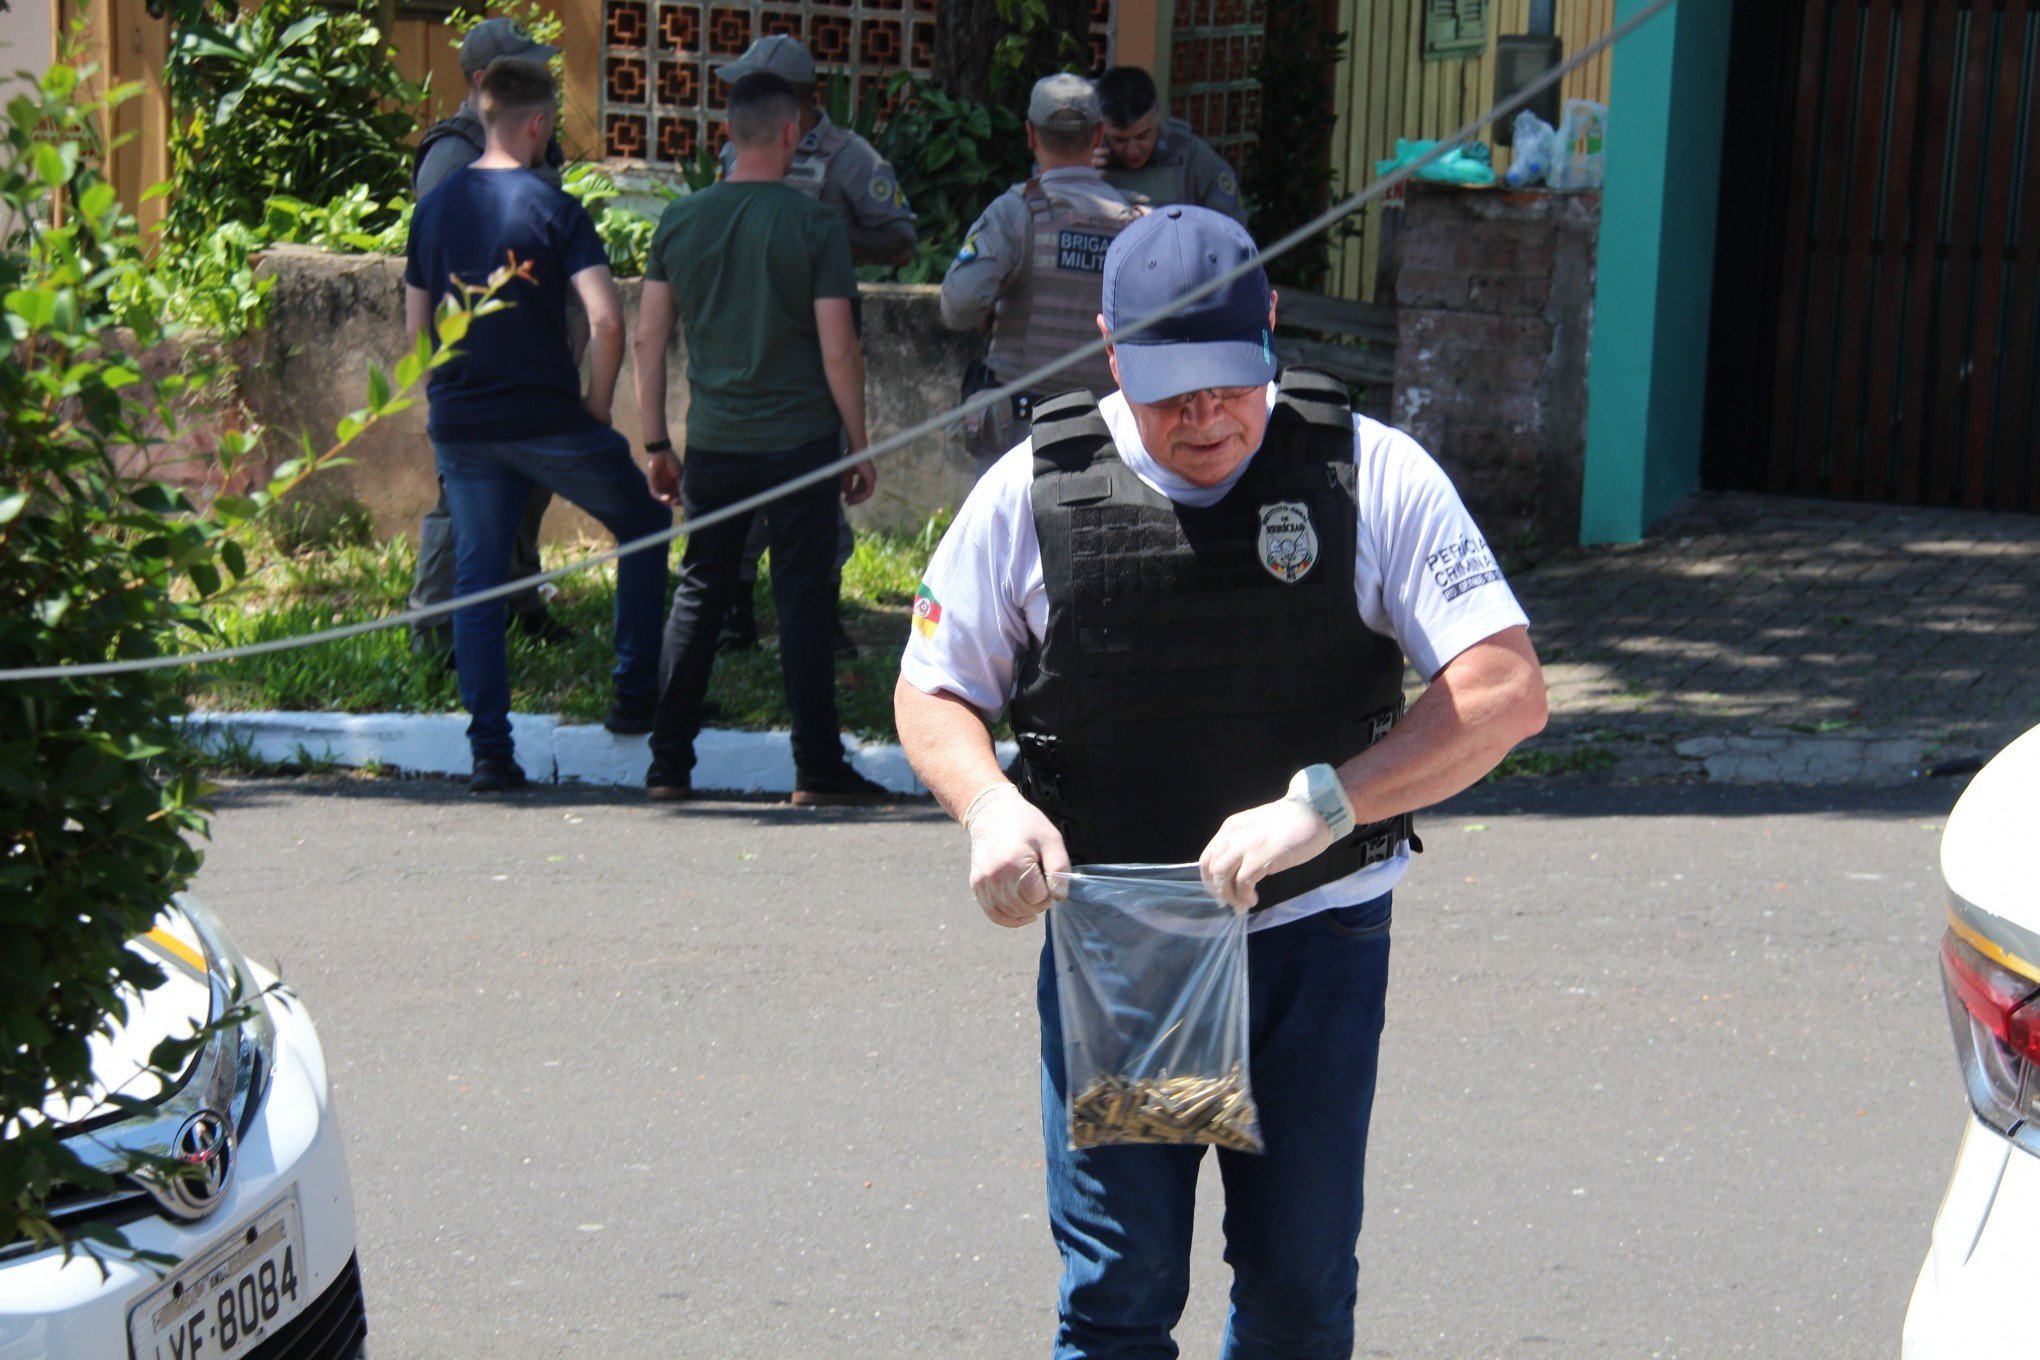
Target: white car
{"points": [[261, 1231], [1970, 1299]]}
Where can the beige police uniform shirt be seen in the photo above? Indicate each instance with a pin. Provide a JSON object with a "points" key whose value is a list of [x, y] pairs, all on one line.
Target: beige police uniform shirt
{"points": [[1184, 169], [994, 258], [859, 184]]}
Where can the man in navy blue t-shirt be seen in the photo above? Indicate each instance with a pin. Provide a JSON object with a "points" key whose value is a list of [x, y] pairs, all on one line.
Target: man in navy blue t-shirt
{"points": [[509, 410]]}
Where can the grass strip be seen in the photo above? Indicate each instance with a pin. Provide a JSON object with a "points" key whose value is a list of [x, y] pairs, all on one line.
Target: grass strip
{"points": [[305, 579]]}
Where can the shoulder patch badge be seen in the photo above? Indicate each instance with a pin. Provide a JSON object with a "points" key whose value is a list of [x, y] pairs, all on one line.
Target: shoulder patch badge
{"points": [[968, 252], [1227, 185], [927, 611], [1288, 542]]}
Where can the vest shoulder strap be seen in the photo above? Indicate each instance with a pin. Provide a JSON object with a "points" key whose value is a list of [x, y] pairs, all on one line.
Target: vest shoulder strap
{"points": [[463, 125], [1315, 398], [1314, 417], [1069, 434], [1036, 199]]}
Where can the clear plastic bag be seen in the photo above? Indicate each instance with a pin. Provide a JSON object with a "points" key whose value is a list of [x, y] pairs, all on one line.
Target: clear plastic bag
{"points": [[1532, 146], [1151, 981], [1578, 160]]}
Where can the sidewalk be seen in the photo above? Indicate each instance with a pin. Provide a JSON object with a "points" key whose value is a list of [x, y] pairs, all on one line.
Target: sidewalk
{"points": [[1759, 638]]}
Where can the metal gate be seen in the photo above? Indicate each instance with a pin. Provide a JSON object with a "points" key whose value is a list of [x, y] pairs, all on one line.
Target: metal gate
{"points": [[1877, 308]]}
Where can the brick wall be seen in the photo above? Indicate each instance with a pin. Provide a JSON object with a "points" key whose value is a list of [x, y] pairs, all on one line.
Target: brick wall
{"points": [[1495, 309]]}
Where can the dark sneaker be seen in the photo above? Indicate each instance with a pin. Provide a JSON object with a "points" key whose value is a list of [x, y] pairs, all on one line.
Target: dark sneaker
{"points": [[740, 629], [840, 787], [661, 787], [845, 646], [540, 624], [631, 717], [496, 774]]}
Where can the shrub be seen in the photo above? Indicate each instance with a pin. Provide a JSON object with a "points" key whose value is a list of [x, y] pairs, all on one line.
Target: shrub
{"points": [[294, 97], [99, 800]]}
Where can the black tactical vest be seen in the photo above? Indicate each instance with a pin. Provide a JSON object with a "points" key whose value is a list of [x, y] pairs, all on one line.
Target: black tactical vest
{"points": [[466, 124], [1195, 658]]}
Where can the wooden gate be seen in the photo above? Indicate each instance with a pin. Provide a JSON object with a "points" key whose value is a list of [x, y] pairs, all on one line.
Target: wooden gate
{"points": [[1877, 308]]}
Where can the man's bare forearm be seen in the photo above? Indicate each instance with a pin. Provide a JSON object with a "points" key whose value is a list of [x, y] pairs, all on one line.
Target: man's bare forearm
{"points": [[605, 349], [846, 384], [1487, 700], [948, 745]]}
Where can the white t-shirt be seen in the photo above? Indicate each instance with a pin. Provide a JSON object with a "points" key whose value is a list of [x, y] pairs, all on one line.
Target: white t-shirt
{"points": [[1422, 574]]}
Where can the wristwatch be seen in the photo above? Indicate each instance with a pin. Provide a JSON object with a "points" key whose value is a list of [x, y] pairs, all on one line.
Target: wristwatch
{"points": [[1317, 787], [658, 446]]}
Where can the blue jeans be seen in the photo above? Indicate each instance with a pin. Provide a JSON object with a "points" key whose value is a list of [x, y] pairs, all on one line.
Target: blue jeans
{"points": [[486, 484], [1122, 1215]]}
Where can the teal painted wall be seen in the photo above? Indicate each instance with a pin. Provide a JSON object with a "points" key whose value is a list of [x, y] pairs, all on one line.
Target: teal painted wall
{"points": [[1647, 380]]}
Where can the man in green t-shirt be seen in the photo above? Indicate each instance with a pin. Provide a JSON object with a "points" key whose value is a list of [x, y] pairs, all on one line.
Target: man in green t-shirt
{"points": [[759, 276]]}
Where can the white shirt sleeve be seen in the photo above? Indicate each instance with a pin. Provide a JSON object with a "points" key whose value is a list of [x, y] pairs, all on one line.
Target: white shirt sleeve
{"points": [[982, 602], [1424, 574]]}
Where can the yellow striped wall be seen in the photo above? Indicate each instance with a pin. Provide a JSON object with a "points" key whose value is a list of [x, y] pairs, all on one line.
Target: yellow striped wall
{"points": [[1385, 90]]}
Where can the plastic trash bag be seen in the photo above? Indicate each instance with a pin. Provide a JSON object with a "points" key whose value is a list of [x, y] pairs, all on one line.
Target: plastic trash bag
{"points": [[1467, 165], [1534, 142], [1579, 160], [1151, 981]]}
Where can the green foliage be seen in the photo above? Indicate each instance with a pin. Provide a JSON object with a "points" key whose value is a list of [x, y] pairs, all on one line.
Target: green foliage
{"points": [[99, 800], [1013, 65], [296, 98], [533, 16], [1287, 181], [626, 233], [953, 157], [354, 222]]}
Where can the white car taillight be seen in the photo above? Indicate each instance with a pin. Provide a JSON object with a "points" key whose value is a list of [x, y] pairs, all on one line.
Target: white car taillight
{"points": [[1995, 1014]]}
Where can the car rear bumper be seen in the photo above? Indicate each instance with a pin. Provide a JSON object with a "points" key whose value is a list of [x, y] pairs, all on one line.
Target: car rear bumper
{"points": [[1974, 1293], [51, 1309]]}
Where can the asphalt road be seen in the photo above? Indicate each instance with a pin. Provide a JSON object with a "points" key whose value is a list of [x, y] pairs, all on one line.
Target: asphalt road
{"points": [[1667, 1074]]}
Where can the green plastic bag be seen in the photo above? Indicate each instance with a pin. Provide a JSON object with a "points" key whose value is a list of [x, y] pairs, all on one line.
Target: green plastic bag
{"points": [[1468, 164]]}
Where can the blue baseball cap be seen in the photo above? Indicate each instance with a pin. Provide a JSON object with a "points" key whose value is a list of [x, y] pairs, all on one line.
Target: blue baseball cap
{"points": [[1220, 340]]}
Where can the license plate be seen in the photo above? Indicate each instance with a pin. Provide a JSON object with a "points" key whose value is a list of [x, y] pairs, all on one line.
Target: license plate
{"points": [[229, 1300]]}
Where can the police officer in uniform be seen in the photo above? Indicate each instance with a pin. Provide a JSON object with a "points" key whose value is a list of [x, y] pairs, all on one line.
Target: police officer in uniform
{"points": [[451, 144], [846, 173], [1194, 600], [1030, 266], [1158, 159], [831, 163]]}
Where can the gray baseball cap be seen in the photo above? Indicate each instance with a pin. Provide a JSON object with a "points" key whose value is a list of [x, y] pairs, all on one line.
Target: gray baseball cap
{"points": [[493, 38], [782, 56], [1063, 102]]}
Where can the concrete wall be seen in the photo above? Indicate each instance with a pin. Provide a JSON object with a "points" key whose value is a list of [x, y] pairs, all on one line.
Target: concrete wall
{"points": [[331, 315], [1495, 308]]}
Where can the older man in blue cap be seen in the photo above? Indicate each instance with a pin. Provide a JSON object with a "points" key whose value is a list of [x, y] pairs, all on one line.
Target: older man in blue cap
{"points": [[1194, 600]]}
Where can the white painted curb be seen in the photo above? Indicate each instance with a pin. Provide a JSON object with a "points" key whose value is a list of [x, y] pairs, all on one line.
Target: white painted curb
{"points": [[549, 750]]}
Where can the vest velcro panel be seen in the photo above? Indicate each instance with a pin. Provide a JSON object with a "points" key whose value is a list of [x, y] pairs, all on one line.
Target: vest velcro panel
{"points": [[1180, 679]]}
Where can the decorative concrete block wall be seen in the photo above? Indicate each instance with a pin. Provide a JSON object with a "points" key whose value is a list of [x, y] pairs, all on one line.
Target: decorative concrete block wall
{"points": [[1495, 311]]}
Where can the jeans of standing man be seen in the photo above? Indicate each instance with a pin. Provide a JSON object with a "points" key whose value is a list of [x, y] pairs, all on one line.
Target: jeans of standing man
{"points": [[488, 483], [803, 540], [1122, 1215], [760, 538], [434, 581]]}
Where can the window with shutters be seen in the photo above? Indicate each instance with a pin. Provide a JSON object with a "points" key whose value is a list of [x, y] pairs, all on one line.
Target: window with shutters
{"points": [[1455, 28]]}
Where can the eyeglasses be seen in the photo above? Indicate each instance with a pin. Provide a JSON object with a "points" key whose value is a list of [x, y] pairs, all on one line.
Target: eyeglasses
{"points": [[1182, 400]]}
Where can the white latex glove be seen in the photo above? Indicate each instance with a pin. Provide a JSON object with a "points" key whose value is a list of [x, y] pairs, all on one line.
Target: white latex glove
{"points": [[1015, 852], [1260, 841]]}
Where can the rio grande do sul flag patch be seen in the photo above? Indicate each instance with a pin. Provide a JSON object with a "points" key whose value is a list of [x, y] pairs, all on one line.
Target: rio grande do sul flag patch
{"points": [[927, 611]]}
